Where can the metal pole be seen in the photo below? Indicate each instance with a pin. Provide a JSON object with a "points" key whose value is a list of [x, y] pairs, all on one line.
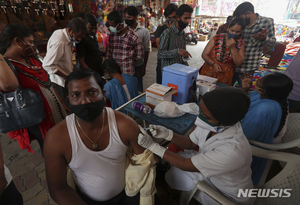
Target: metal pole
{"points": [[130, 101]]}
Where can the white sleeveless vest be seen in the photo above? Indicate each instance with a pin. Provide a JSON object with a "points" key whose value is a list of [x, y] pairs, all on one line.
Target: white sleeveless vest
{"points": [[100, 175]]}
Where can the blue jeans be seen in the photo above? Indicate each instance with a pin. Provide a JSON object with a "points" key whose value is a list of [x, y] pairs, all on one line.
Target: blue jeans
{"points": [[236, 77], [139, 77]]}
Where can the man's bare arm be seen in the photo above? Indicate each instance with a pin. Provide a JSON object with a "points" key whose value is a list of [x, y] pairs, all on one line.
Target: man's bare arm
{"points": [[129, 132], [55, 146]]}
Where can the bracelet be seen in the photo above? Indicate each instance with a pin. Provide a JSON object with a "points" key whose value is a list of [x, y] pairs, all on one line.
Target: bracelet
{"points": [[233, 54], [213, 64], [2, 60]]}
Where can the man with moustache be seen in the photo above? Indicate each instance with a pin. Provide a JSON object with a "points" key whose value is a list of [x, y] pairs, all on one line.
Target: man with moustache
{"points": [[95, 142]]}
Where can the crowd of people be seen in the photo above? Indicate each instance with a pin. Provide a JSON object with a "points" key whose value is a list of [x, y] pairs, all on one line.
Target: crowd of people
{"points": [[109, 156]]}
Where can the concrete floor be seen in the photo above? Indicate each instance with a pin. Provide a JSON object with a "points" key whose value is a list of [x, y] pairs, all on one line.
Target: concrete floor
{"points": [[28, 169]]}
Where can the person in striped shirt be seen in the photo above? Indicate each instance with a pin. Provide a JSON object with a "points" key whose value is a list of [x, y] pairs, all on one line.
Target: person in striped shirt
{"points": [[172, 45]]}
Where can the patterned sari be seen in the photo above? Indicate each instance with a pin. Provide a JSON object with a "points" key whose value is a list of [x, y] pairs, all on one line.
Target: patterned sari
{"points": [[222, 56]]}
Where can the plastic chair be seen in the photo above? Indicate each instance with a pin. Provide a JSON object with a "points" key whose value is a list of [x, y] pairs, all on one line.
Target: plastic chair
{"points": [[288, 178], [186, 196], [291, 138]]}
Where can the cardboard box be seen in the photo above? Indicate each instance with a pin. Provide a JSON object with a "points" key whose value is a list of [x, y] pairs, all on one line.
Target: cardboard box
{"points": [[158, 93], [203, 38], [207, 79], [203, 87]]}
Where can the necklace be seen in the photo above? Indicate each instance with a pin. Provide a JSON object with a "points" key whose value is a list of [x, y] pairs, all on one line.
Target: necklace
{"points": [[28, 65], [94, 144]]}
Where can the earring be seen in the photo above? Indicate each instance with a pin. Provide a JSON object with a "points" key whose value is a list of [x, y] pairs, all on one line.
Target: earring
{"points": [[20, 47]]}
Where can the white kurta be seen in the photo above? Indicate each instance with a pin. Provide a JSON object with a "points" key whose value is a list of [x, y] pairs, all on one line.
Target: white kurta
{"points": [[223, 162]]}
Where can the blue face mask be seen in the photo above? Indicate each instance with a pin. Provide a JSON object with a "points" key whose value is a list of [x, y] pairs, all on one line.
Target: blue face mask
{"points": [[231, 35], [113, 29]]}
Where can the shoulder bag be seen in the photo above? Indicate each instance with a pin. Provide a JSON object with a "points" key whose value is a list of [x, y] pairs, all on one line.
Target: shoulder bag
{"points": [[21, 108]]}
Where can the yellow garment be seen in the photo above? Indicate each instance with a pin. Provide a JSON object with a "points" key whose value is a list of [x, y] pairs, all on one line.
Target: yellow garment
{"points": [[140, 176]]}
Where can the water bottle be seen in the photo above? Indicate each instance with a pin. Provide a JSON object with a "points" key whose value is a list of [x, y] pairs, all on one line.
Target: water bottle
{"points": [[144, 108]]}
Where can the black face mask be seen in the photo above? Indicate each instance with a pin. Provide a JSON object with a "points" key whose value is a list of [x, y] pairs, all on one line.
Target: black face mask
{"points": [[129, 22], [247, 21], [88, 112], [182, 25]]}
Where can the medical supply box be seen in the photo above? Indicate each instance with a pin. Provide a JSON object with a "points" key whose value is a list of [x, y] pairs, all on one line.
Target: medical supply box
{"points": [[207, 79], [204, 87], [180, 77], [158, 93]]}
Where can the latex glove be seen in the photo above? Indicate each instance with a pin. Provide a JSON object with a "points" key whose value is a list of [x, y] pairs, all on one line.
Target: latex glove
{"points": [[147, 142], [161, 132]]}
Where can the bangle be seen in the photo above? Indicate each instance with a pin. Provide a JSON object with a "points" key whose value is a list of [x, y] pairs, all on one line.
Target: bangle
{"points": [[213, 64], [2, 60]]}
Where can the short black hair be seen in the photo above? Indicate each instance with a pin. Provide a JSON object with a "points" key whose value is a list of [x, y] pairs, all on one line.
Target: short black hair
{"points": [[77, 25], [184, 8], [238, 21], [243, 8], [111, 66], [80, 15], [170, 9], [91, 19], [131, 11], [115, 16], [83, 73], [229, 17]]}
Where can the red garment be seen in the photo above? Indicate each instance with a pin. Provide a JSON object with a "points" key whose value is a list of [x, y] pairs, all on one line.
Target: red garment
{"points": [[22, 135], [125, 50]]}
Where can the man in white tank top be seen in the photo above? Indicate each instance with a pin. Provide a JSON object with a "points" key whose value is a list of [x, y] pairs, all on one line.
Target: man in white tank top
{"points": [[93, 142]]}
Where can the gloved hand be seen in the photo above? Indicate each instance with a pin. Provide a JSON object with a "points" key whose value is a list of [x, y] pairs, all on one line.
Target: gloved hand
{"points": [[161, 132], [147, 142]]}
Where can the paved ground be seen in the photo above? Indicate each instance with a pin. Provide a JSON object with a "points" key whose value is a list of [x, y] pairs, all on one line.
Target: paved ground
{"points": [[28, 170]]}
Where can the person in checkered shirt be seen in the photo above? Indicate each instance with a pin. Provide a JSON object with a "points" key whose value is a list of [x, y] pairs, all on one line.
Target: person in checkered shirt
{"points": [[254, 42], [124, 45]]}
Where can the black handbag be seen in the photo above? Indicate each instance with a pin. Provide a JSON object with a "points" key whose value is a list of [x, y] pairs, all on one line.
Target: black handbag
{"points": [[21, 108]]}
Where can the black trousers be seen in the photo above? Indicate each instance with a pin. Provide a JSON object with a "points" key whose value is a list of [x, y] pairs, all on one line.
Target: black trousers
{"points": [[120, 199], [11, 195]]}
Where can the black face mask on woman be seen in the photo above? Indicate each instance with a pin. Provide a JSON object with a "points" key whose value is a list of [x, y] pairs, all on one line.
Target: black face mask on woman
{"points": [[88, 112], [29, 50]]}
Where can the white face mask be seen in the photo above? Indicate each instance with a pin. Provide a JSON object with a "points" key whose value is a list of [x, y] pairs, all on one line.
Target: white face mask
{"points": [[205, 126]]}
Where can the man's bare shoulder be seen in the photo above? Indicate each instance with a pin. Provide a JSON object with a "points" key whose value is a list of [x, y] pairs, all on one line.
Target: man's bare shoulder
{"points": [[58, 133], [126, 125]]}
